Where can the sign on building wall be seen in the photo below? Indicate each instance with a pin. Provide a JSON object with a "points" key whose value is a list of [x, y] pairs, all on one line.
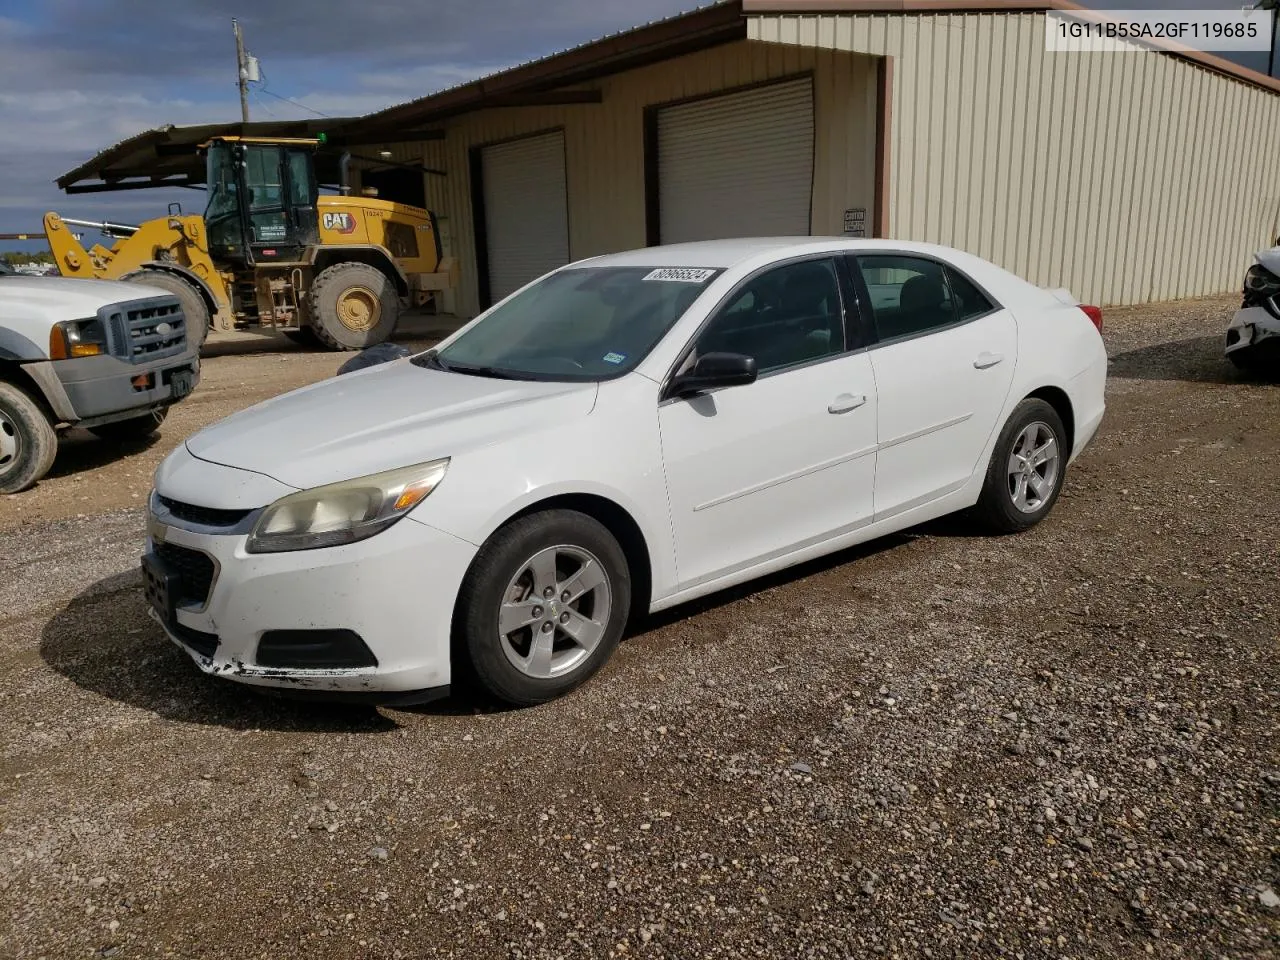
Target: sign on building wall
{"points": [[855, 222]]}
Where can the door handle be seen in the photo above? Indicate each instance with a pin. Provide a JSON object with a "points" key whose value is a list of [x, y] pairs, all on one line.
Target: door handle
{"points": [[988, 360], [846, 402]]}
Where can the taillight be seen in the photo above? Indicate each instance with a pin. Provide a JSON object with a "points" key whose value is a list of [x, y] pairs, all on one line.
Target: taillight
{"points": [[1094, 314]]}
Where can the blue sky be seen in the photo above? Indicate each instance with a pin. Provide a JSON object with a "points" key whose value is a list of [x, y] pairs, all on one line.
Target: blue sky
{"points": [[79, 75]]}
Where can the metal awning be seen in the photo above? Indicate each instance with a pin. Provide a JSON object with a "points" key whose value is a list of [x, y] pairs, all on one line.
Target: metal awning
{"points": [[168, 157]]}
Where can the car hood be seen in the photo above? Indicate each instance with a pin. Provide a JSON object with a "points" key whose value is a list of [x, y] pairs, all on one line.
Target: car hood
{"points": [[54, 299], [381, 418]]}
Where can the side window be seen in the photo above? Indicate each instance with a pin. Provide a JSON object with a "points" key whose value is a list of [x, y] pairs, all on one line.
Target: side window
{"points": [[299, 179], [909, 295], [969, 300], [789, 315]]}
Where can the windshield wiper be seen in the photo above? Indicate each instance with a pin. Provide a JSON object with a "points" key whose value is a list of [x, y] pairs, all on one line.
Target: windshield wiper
{"points": [[432, 361], [472, 370]]}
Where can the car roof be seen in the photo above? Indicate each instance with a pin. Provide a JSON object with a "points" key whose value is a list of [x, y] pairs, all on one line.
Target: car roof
{"points": [[719, 254]]}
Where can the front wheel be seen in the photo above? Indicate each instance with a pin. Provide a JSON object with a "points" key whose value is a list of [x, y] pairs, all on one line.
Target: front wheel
{"points": [[1027, 469], [135, 428], [543, 606], [28, 442]]}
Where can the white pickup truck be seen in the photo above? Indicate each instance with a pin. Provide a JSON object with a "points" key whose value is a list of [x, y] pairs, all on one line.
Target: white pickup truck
{"points": [[105, 355]]}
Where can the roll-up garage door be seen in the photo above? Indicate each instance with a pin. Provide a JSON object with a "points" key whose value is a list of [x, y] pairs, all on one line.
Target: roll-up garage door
{"points": [[737, 165], [526, 211]]}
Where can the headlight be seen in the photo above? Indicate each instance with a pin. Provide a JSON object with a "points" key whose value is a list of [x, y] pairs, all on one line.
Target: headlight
{"points": [[1261, 281], [77, 338], [344, 512]]}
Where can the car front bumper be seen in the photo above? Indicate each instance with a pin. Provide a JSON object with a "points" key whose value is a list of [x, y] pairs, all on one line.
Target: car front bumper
{"points": [[1251, 327], [394, 592]]}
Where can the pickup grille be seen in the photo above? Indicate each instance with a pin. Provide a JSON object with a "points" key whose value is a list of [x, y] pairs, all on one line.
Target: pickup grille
{"points": [[142, 331]]}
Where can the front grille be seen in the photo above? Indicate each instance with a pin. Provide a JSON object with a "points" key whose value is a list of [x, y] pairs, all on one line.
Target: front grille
{"points": [[203, 516], [146, 330], [195, 571]]}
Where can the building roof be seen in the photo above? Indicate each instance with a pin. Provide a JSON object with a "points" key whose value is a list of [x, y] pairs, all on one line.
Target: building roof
{"points": [[542, 81]]}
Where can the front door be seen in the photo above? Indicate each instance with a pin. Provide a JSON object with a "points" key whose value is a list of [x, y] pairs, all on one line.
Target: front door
{"points": [[758, 471], [943, 367]]}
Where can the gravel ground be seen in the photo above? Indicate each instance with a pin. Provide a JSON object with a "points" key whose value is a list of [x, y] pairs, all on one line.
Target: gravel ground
{"points": [[1061, 744]]}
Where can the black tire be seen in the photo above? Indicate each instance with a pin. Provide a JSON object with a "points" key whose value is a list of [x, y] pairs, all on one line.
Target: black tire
{"points": [[304, 337], [28, 442], [135, 428], [502, 558], [193, 306], [364, 296], [996, 508]]}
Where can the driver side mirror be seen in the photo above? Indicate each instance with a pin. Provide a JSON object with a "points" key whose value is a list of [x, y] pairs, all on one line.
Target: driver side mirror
{"points": [[715, 370]]}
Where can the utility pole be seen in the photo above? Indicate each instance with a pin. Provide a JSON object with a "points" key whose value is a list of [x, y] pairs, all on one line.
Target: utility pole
{"points": [[242, 71]]}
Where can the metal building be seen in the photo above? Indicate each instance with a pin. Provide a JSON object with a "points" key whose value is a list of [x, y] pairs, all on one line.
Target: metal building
{"points": [[1125, 177]]}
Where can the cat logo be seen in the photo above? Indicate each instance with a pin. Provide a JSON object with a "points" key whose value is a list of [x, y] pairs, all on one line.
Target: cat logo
{"points": [[341, 222]]}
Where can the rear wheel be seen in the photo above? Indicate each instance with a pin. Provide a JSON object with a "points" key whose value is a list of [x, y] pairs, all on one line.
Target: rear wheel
{"points": [[28, 442], [135, 428], [543, 606], [1027, 469], [194, 308], [353, 306]]}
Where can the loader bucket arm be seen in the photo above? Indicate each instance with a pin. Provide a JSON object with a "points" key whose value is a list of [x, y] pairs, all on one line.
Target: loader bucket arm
{"points": [[70, 257]]}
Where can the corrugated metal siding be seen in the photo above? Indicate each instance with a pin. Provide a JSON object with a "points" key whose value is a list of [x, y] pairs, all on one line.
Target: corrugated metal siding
{"points": [[604, 145], [1126, 177]]}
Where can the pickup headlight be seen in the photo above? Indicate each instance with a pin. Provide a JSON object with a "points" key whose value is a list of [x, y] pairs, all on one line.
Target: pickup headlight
{"points": [[344, 512], [77, 338]]}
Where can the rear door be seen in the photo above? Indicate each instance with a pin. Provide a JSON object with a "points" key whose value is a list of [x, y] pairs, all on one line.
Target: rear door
{"points": [[943, 363]]}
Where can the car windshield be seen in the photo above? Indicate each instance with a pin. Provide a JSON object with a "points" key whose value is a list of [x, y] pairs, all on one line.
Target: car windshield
{"points": [[582, 323]]}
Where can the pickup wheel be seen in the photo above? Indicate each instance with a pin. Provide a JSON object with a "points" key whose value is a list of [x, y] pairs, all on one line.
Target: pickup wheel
{"points": [[28, 443], [194, 309], [135, 428], [353, 306]]}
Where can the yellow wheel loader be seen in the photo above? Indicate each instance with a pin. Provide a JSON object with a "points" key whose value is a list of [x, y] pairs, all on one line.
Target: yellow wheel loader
{"points": [[270, 252]]}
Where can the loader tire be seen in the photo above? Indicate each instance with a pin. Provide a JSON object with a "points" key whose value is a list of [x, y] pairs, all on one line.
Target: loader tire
{"points": [[194, 308], [353, 306]]}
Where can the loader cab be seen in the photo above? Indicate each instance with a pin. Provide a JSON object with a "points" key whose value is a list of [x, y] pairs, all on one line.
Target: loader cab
{"points": [[262, 200]]}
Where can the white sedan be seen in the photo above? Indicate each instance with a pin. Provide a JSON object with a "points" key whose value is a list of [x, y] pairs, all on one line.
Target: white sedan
{"points": [[620, 436]]}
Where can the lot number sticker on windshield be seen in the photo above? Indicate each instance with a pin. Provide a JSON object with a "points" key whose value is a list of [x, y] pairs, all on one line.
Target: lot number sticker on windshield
{"points": [[681, 275], [614, 357]]}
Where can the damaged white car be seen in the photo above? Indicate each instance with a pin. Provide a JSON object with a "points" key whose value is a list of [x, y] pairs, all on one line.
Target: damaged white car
{"points": [[1253, 339]]}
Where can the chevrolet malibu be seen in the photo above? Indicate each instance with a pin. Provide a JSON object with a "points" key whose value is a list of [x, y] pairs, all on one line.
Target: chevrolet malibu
{"points": [[620, 436]]}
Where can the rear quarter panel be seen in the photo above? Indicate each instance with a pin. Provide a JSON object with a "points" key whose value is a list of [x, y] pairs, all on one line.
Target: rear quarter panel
{"points": [[1058, 346]]}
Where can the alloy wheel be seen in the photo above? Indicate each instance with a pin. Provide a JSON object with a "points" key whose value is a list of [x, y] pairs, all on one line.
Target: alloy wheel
{"points": [[554, 612], [1033, 467]]}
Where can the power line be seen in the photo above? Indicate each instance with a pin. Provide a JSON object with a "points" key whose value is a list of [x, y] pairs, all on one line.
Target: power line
{"points": [[303, 106]]}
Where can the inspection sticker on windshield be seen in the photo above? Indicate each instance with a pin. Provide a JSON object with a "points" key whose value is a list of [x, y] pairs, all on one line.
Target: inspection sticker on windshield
{"points": [[681, 275], [614, 357]]}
